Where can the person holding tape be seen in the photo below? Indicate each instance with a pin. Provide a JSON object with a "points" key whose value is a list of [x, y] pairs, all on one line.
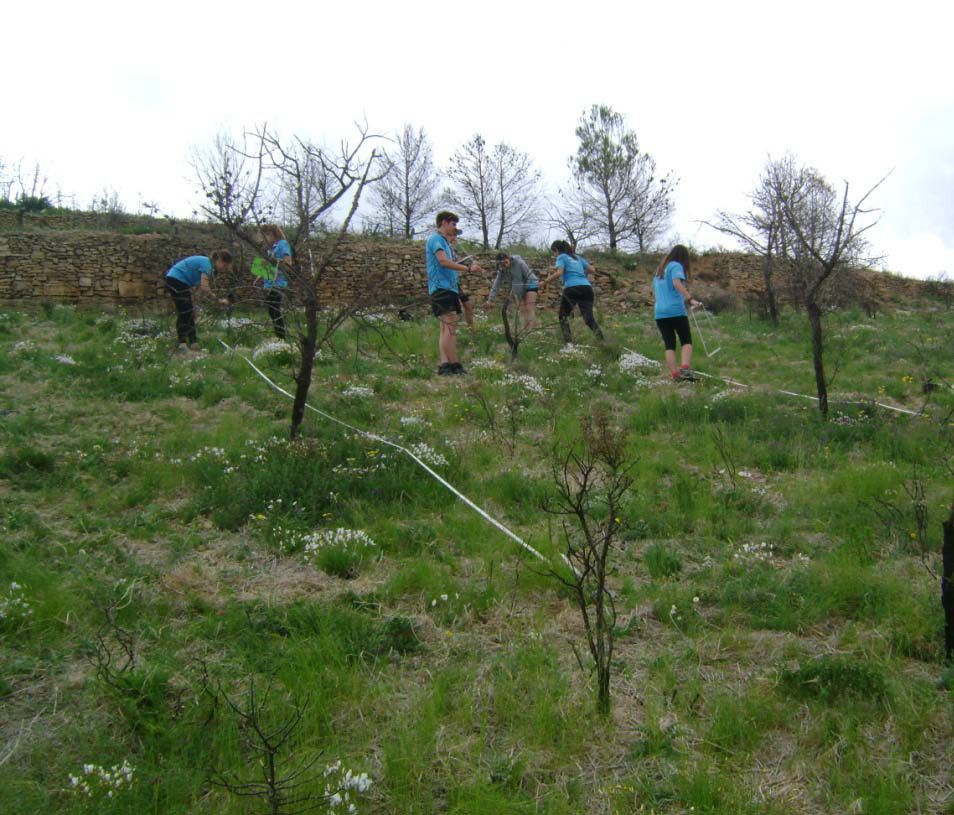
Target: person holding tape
{"points": [[577, 289], [672, 318], [443, 289], [193, 272], [280, 255]]}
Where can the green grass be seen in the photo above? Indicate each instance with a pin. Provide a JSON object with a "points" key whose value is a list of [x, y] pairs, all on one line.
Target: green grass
{"points": [[779, 644]]}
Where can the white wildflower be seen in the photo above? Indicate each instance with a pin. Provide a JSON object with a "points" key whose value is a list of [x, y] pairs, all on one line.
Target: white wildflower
{"points": [[428, 454], [525, 381], [359, 391]]}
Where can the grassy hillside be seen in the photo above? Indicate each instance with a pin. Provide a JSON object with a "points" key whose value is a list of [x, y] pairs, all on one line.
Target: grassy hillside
{"points": [[164, 550]]}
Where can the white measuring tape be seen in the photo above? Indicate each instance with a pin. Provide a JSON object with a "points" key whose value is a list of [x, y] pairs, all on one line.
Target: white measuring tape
{"points": [[792, 393], [382, 440]]}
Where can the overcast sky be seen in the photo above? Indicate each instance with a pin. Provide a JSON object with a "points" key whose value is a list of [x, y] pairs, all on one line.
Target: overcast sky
{"points": [[116, 95]]}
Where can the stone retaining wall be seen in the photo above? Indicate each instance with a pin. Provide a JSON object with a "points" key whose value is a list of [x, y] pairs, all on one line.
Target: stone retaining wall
{"points": [[105, 268]]}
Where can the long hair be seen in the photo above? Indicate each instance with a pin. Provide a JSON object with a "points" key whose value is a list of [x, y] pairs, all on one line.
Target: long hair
{"points": [[274, 230], [680, 255], [562, 248]]}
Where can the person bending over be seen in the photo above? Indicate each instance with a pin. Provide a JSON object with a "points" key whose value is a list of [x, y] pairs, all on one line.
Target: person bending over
{"points": [[523, 287], [193, 272], [577, 289]]}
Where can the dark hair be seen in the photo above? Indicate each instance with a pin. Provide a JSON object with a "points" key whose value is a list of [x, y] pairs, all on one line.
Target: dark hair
{"points": [[680, 255], [274, 230], [562, 248], [444, 215], [222, 254], [502, 256]]}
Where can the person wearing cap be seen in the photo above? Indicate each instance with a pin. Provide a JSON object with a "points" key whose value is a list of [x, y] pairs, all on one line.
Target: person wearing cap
{"points": [[443, 288], [523, 287]]}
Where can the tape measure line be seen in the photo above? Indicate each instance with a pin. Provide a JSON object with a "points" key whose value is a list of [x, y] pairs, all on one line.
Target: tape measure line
{"points": [[792, 393], [382, 440]]}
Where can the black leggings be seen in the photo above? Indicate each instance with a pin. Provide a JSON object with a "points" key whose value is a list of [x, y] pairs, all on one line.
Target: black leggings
{"points": [[273, 299], [670, 326], [181, 294], [582, 297]]}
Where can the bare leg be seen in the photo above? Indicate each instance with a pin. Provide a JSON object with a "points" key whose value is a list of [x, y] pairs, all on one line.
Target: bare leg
{"points": [[671, 361], [468, 308], [686, 355], [448, 339], [528, 310]]}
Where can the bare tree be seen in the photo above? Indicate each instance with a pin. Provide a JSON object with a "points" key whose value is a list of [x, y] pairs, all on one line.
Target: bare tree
{"points": [[518, 189], [618, 185], [592, 479], [475, 194], [567, 214], [498, 189], [305, 182], [407, 194], [826, 233], [760, 230]]}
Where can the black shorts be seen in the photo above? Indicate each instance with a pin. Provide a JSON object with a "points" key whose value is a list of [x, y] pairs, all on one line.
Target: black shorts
{"points": [[444, 301], [669, 327], [573, 296], [464, 298]]}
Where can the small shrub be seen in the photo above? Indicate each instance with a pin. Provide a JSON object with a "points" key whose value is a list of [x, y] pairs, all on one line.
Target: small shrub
{"points": [[831, 678], [662, 561], [720, 300]]}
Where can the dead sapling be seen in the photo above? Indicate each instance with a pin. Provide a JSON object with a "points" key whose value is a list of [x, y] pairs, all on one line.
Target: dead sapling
{"points": [[287, 787], [911, 519], [592, 476], [722, 445]]}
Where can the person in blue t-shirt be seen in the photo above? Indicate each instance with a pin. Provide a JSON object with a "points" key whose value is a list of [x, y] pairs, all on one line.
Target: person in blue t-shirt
{"points": [[193, 272], [669, 289], [280, 254], [577, 289], [443, 288]]}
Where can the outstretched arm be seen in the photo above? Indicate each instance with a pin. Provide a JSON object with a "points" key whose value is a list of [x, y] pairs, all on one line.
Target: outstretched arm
{"points": [[681, 288]]}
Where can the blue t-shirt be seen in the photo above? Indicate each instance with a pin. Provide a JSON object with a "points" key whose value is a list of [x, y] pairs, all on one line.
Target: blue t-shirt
{"points": [[190, 270], [437, 276], [669, 302], [279, 250], [574, 270]]}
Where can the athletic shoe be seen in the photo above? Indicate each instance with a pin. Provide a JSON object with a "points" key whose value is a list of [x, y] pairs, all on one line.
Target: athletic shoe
{"points": [[182, 349], [457, 369], [445, 369]]}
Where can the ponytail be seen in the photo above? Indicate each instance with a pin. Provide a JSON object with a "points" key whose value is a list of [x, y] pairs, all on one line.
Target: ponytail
{"points": [[562, 248]]}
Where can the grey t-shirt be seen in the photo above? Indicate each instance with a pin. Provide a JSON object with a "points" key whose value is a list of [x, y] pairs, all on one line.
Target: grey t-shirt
{"points": [[521, 278]]}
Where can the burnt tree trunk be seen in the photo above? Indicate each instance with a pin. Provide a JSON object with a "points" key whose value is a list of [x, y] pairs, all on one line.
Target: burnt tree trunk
{"points": [[947, 586], [814, 319], [770, 290], [309, 344]]}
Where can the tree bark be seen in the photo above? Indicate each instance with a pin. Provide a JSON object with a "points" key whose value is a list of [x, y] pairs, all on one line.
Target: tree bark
{"points": [[814, 318], [303, 377], [770, 289]]}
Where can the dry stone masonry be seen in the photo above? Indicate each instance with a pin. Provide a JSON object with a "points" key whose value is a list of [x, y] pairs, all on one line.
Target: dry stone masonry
{"points": [[77, 258]]}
